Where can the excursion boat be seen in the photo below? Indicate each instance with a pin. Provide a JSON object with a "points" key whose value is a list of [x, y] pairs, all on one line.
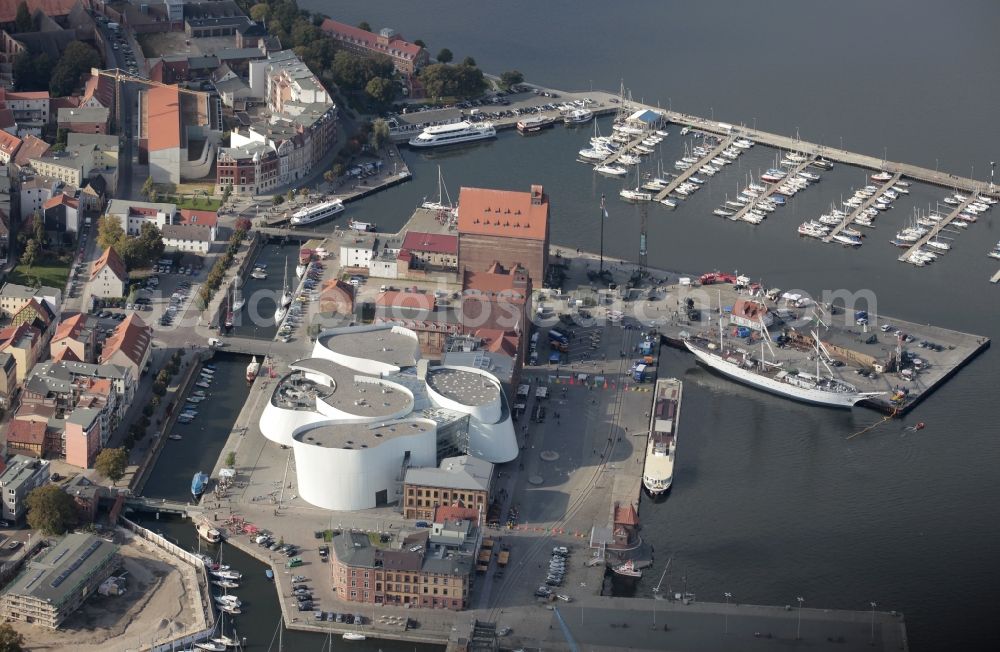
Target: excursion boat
{"points": [[317, 213], [578, 117], [771, 377], [661, 443], [198, 485], [453, 134], [534, 124]]}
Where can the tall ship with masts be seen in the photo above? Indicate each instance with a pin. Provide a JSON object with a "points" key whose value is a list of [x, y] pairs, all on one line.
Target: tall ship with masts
{"points": [[818, 387]]}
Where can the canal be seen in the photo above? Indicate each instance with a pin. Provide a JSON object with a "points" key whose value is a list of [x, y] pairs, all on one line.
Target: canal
{"points": [[202, 439]]}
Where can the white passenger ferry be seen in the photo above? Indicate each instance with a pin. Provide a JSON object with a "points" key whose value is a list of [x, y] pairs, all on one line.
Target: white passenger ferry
{"points": [[317, 212], [458, 132]]}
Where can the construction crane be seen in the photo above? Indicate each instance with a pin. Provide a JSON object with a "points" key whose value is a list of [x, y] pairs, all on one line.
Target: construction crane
{"points": [[119, 76]]}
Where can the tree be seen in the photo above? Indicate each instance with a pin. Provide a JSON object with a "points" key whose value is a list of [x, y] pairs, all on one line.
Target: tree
{"points": [[260, 12], [30, 254], [147, 187], [38, 227], [23, 21], [365, 26], [382, 91], [445, 56], [337, 169], [111, 463], [290, 195], [50, 510], [442, 80], [469, 61], [419, 43], [328, 176], [304, 33], [109, 232], [32, 72], [10, 639], [277, 200], [242, 224], [77, 59], [380, 133], [511, 78], [231, 459]]}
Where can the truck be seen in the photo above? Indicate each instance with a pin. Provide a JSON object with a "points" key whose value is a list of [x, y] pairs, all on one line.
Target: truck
{"points": [[639, 372], [503, 558], [558, 336]]}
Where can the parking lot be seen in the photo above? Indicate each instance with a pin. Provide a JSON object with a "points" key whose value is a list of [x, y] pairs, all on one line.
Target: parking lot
{"points": [[497, 106]]}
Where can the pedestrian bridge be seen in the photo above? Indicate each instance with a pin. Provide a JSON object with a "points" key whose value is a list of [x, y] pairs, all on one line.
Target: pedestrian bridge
{"points": [[164, 506]]}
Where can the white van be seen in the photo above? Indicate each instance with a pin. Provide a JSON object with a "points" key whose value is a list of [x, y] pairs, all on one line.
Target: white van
{"points": [[216, 343]]}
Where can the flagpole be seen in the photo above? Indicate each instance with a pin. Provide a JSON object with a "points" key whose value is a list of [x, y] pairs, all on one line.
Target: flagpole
{"points": [[603, 212]]}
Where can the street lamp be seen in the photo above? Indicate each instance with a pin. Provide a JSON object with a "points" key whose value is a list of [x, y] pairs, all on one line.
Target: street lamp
{"points": [[873, 604], [728, 597], [798, 629]]}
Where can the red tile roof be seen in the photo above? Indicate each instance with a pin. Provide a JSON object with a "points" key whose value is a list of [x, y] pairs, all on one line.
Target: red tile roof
{"points": [[70, 327], [51, 8], [163, 114], [504, 213], [9, 143], [31, 147], [26, 433], [436, 243], [61, 198], [626, 515], [369, 40], [110, 258], [26, 95], [498, 341], [132, 337], [444, 513], [6, 117], [198, 218], [496, 281], [397, 299]]}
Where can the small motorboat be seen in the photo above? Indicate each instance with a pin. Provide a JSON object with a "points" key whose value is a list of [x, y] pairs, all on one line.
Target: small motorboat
{"points": [[353, 636], [269, 574], [174, 437]]}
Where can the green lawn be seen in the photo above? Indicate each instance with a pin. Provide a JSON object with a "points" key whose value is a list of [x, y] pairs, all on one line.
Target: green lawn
{"points": [[50, 272]]}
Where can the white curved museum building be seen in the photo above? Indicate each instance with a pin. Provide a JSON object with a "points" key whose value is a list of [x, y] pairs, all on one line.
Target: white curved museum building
{"points": [[365, 407]]}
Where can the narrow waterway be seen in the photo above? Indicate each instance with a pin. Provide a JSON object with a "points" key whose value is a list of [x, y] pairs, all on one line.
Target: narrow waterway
{"points": [[202, 439]]}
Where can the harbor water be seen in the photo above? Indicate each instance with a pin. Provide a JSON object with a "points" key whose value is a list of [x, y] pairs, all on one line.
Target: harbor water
{"points": [[771, 501]]}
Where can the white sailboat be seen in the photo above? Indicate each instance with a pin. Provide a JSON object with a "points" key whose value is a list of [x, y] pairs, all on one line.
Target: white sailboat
{"points": [[443, 200], [286, 292], [238, 300]]}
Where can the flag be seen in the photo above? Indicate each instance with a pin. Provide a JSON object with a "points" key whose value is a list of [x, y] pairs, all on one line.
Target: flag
{"points": [[604, 210]]}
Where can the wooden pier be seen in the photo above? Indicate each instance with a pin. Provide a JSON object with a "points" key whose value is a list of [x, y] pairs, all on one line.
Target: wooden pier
{"points": [[995, 278], [865, 205], [690, 172], [935, 230], [771, 188]]}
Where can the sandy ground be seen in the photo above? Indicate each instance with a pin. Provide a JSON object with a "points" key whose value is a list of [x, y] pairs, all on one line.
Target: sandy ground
{"points": [[156, 606]]}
